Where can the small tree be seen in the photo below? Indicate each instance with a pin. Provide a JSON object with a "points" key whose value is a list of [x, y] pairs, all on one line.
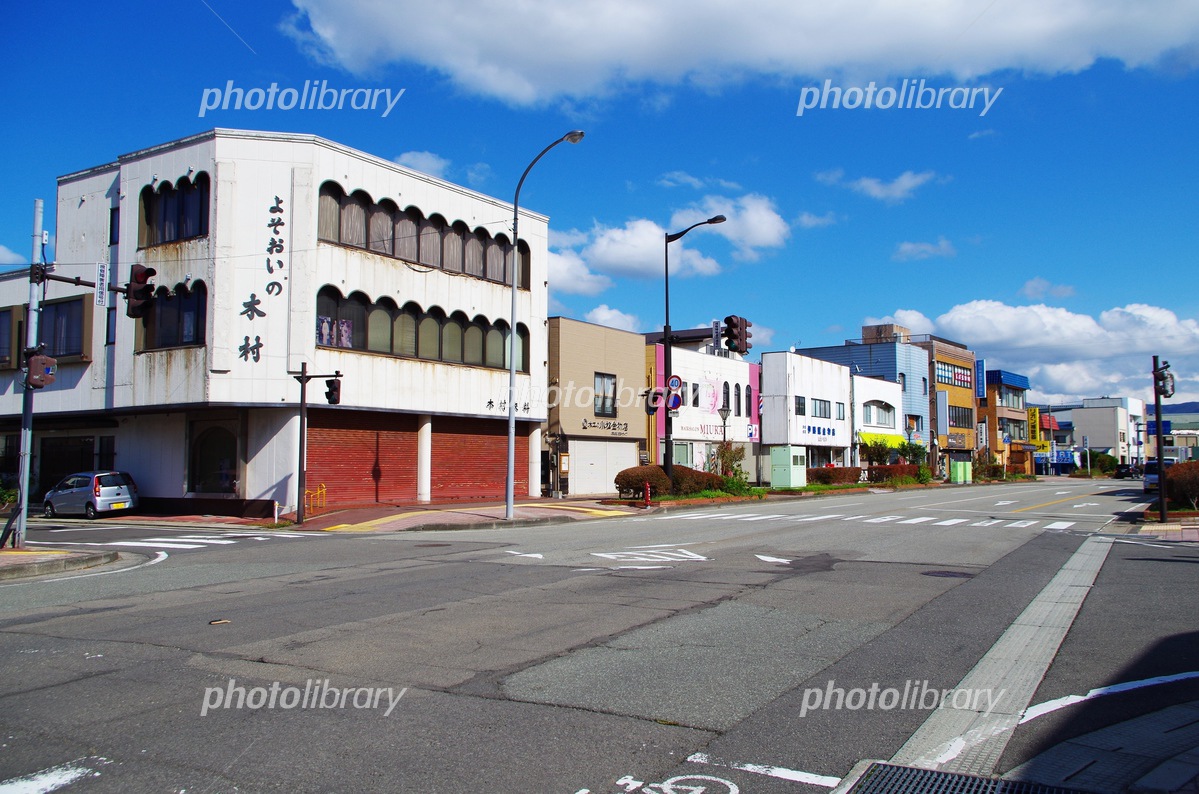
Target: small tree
{"points": [[913, 452], [877, 452], [1182, 483]]}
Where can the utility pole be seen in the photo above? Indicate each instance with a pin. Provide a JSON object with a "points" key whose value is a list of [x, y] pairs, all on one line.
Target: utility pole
{"points": [[31, 336]]}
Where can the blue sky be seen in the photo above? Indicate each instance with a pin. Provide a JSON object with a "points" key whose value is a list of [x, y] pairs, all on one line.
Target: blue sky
{"points": [[1057, 235]]}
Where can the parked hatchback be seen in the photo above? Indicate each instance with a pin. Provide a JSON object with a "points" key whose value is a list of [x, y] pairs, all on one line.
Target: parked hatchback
{"points": [[1150, 480], [91, 493]]}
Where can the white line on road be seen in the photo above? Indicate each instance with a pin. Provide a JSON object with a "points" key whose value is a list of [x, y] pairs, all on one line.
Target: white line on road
{"points": [[779, 772], [54, 778], [965, 740]]}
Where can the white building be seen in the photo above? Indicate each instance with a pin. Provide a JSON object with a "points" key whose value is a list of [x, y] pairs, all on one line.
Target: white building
{"points": [[274, 251], [818, 405], [712, 378], [1109, 424]]}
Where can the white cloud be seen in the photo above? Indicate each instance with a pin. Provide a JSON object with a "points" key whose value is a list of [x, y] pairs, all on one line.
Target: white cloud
{"points": [[10, 257], [908, 252], [613, 318], [1069, 356], [425, 162], [568, 273], [899, 189], [677, 178], [1038, 288], [581, 50], [636, 250], [752, 222], [809, 220]]}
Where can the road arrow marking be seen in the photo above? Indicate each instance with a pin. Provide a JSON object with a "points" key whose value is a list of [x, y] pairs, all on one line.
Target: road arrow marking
{"points": [[764, 558], [534, 556]]}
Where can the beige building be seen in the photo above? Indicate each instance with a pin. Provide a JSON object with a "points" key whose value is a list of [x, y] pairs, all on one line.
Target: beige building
{"points": [[597, 422]]}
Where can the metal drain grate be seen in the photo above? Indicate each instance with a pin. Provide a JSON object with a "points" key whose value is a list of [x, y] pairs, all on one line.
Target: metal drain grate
{"points": [[891, 779]]}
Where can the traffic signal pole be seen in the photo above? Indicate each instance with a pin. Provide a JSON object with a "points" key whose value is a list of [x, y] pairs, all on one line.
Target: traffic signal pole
{"points": [[31, 333], [301, 473]]}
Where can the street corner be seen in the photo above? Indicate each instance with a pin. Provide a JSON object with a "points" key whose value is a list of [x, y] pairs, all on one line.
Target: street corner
{"points": [[579, 511], [28, 563]]}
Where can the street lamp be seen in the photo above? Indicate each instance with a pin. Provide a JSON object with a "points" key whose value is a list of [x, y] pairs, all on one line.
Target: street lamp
{"points": [[574, 136], [668, 452], [724, 423]]}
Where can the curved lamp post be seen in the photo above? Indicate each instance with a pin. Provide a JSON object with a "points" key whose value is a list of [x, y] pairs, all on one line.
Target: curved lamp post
{"points": [[574, 136], [668, 444]]}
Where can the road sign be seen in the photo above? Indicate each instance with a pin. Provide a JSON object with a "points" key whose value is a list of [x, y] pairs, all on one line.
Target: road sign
{"points": [[101, 283], [1151, 427], [673, 401], [674, 383]]}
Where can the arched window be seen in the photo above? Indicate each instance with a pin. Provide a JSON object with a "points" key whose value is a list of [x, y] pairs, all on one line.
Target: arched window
{"points": [[328, 302], [407, 235], [353, 219], [474, 253], [428, 337], [725, 403], [382, 228], [525, 265], [453, 248], [749, 401], [494, 344], [404, 330], [497, 251], [903, 382], [148, 223], [351, 322], [177, 318], [328, 221], [378, 327], [451, 338], [430, 241], [737, 399], [472, 343], [522, 348]]}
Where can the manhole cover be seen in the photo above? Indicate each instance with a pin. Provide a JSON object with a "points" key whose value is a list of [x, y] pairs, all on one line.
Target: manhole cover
{"points": [[948, 574]]}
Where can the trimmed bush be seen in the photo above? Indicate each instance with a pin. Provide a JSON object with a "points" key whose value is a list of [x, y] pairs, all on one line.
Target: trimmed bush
{"points": [[834, 475], [692, 481], [632, 481], [1182, 483], [878, 474]]}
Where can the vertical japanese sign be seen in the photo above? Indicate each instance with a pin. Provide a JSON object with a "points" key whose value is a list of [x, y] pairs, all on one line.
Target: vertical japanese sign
{"points": [[271, 278]]}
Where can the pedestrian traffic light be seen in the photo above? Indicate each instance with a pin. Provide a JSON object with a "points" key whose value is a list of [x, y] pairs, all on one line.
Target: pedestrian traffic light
{"points": [[333, 394], [743, 343], [40, 371], [1163, 380], [139, 291], [654, 399], [733, 333]]}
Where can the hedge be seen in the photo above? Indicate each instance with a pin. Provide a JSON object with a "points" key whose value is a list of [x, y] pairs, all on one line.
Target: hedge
{"points": [[688, 480], [834, 475], [632, 481], [878, 474]]}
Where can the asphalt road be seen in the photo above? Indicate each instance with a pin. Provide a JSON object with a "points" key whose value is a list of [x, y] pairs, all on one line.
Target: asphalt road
{"points": [[702, 646]]}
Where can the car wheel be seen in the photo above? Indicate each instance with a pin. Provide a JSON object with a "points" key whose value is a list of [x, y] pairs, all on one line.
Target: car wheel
{"points": [[48, 510], [90, 511]]}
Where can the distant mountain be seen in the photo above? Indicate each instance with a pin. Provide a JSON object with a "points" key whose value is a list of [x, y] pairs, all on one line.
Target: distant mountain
{"points": [[1177, 408]]}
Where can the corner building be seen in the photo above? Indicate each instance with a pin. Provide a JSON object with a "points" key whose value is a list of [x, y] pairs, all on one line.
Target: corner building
{"points": [[274, 251]]}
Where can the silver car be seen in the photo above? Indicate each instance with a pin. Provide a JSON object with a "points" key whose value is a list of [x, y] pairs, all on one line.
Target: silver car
{"points": [[1152, 475], [91, 493]]}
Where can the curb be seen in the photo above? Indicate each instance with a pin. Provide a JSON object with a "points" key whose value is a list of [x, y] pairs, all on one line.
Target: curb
{"points": [[73, 562]]}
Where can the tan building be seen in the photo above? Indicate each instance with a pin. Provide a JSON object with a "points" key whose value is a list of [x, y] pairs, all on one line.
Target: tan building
{"points": [[952, 399], [1010, 429], [597, 422]]}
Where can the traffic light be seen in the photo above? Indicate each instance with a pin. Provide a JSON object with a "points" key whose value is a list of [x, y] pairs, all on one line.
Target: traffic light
{"points": [[743, 343], [333, 394], [733, 333], [40, 371], [654, 399], [139, 291], [1163, 380]]}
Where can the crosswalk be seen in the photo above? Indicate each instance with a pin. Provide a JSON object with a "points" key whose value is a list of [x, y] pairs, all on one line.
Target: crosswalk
{"points": [[932, 521], [179, 542]]}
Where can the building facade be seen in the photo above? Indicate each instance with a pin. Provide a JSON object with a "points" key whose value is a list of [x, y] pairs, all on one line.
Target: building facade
{"points": [[953, 391], [597, 422], [276, 253], [711, 378], [885, 352], [1007, 428]]}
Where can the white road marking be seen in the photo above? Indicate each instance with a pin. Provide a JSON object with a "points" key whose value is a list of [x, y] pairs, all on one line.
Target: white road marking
{"points": [[949, 522], [767, 517], [881, 519], [1060, 525], [779, 772], [764, 558], [534, 556], [828, 517], [990, 522], [1032, 712], [54, 778], [1022, 523], [919, 520]]}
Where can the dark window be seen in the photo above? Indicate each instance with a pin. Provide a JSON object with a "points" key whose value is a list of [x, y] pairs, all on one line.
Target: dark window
{"points": [[801, 406], [605, 394], [169, 212], [114, 226], [60, 327], [177, 319]]}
